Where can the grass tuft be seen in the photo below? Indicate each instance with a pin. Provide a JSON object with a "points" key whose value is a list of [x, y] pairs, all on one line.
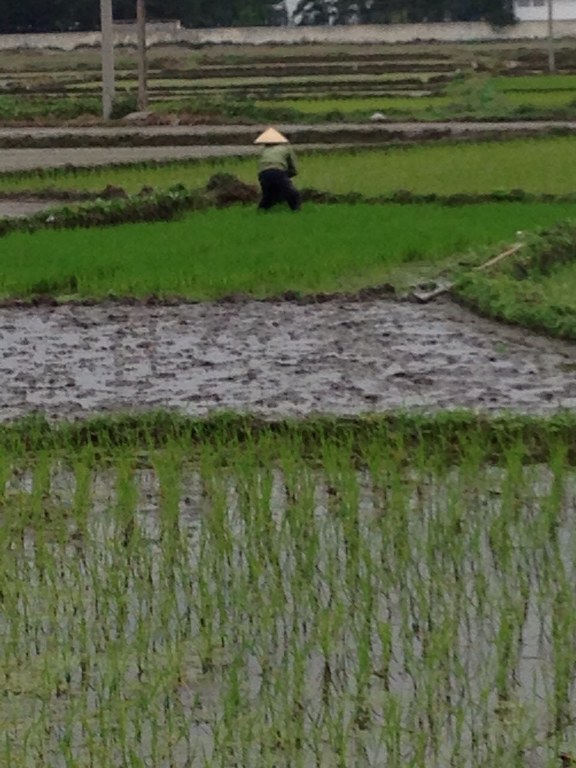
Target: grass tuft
{"points": [[533, 289]]}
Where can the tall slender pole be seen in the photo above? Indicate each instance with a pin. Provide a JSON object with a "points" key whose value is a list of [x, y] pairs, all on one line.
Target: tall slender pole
{"points": [[108, 86], [551, 52], [142, 68]]}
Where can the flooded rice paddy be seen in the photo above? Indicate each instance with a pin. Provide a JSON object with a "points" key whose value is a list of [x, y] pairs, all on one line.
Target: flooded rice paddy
{"points": [[238, 613], [275, 359], [181, 615]]}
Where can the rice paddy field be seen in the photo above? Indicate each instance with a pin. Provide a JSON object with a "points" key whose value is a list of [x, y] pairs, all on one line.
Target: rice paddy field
{"points": [[215, 253], [443, 169], [256, 598], [312, 82], [394, 588], [326, 592]]}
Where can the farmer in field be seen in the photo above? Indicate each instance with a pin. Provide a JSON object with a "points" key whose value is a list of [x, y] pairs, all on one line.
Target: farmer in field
{"points": [[277, 168]]}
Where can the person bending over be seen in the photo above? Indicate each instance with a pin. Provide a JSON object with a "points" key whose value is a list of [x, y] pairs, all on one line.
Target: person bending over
{"points": [[277, 168]]}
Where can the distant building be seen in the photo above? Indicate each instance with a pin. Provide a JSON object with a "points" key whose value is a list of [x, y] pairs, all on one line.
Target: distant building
{"points": [[537, 10]]}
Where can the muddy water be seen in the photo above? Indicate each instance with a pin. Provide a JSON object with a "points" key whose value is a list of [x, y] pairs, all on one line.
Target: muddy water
{"points": [[85, 157], [275, 359], [22, 208], [476, 700]]}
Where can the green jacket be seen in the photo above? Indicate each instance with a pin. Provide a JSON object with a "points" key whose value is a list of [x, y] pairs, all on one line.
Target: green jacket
{"points": [[280, 157]]}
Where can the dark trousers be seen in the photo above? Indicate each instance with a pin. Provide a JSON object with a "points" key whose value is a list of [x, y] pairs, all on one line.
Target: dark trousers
{"points": [[277, 188]]}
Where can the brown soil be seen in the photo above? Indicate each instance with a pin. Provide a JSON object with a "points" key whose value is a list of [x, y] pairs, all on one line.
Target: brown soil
{"points": [[290, 68], [275, 359]]}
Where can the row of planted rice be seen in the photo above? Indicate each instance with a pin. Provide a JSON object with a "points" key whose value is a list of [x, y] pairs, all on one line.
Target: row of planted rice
{"points": [[425, 81], [235, 603]]}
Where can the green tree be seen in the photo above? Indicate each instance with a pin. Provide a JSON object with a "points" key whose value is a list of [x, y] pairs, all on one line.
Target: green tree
{"points": [[230, 13], [497, 12], [46, 15], [313, 12], [383, 12], [500, 13]]}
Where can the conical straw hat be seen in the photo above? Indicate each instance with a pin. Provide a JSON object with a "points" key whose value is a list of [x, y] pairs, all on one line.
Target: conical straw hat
{"points": [[271, 136]]}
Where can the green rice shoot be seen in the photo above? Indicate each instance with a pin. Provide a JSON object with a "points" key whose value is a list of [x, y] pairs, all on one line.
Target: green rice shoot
{"points": [[442, 169], [214, 253]]}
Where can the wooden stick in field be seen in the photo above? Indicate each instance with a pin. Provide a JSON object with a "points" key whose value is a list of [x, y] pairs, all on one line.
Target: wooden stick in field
{"points": [[425, 297], [500, 257]]}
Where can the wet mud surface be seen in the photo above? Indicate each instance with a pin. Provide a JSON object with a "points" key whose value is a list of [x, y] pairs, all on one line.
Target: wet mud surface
{"points": [[20, 208], [85, 157], [275, 359], [294, 129]]}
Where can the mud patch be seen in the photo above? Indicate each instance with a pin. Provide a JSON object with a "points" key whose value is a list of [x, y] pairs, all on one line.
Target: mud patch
{"points": [[22, 208], [275, 359], [32, 159], [121, 145]]}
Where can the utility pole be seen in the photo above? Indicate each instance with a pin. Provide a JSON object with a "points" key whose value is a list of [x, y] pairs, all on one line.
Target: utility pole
{"points": [[142, 67], [551, 52], [106, 27]]}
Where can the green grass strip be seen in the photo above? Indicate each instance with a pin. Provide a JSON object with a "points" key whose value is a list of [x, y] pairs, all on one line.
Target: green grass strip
{"points": [[357, 106], [534, 289], [402, 434], [214, 253], [532, 304], [535, 165], [557, 82]]}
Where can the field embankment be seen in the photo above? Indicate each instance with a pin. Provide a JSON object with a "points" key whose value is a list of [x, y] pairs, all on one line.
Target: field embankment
{"points": [[534, 288]]}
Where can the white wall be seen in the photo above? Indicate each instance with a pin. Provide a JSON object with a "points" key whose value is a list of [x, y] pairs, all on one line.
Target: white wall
{"points": [[170, 27], [537, 10], [360, 34]]}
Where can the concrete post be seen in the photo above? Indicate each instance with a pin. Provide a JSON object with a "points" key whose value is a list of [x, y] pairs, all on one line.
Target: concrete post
{"points": [[108, 86], [551, 52], [142, 67]]}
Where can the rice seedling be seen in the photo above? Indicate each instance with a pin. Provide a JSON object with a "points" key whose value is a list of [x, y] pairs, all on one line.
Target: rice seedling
{"points": [[361, 106], [237, 602], [539, 100], [40, 80], [441, 168], [15, 107], [536, 82], [444, 169], [217, 252]]}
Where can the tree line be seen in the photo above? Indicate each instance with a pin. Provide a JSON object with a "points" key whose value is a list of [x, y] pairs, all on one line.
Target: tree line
{"points": [[497, 12], [63, 15]]}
